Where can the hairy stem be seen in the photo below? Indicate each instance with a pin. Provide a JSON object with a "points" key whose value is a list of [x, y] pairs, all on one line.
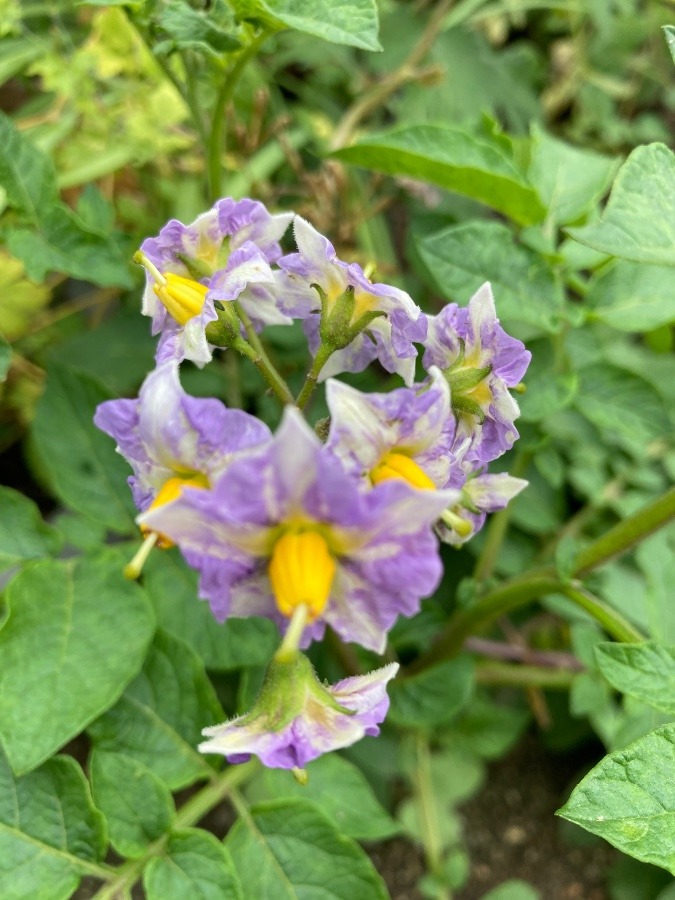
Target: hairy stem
{"points": [[426, 808], [263, 363], [320, 360], [124, 878], [503, 674]]}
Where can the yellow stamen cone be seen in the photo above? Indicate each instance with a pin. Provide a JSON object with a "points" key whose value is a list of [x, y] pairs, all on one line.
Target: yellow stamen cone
{"points": [[301, 572], [397, 465], [182, 297], [170, 490]]}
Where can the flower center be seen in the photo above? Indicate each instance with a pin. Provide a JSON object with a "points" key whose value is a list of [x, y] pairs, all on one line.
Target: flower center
{"points": [[171, 490], [301, 572], [397, 465], [182, 297]]}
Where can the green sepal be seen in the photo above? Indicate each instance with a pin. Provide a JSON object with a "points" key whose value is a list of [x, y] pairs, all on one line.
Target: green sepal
{"points": [[226, 331], [462, 404], [464, 379], [197, 268]]}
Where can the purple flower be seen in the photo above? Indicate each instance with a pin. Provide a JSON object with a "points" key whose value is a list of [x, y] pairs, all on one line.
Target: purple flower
{"points": [[296, 718], [287, 525], [408, 433], [172, 440], [480, 495], [481, 362], [389, 337], [225, 254]]}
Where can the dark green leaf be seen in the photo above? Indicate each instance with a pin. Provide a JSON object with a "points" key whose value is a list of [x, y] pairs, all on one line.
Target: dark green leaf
{"points": [[79, 460], [432, 697], [629, 799], [75, 635], [23, 534], [338, 788], [194, 864], [454, 160], [288, 850], [638, 223], [48, 829], [463, 257], [137, 805], [173, 588], [159, 718], [645, 671]]}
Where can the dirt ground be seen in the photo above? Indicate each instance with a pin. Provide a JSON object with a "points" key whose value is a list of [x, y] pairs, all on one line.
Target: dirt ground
{"points": [[511, 832]]}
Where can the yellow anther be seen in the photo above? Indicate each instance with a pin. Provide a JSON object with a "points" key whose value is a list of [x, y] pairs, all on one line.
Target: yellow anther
{"points": [[170, 490], [398, 465], [301, 572], [182, 297]]}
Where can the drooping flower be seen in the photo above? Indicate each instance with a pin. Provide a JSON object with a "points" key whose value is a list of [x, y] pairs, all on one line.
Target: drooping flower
{"points": [[286, 526], [227, 249], [340, 305], [172, 440], [481, 362], [296, 718], [481, 495]]}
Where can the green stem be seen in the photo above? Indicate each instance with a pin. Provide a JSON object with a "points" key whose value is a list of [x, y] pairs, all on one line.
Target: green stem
{"points": [[190, 814], [426, 808], [262, 362], [323, 354], [225, 93], [496, 529], [627, 534], [502, 674], [612, 621]]}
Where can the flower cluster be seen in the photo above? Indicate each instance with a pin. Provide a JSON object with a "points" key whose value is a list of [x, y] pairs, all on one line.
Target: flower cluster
{"points": [[341, 532]]}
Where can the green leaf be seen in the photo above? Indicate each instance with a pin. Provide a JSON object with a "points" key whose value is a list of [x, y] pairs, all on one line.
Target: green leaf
{"points": [[159, 718], [638, 223], [487, 729], [137, 805], [463, 257], [454, 160], [206, 31], [629, 799], [5, 357], [669, 34], [80, 461], [338, 788], [351, 22], [49, 829], [173, 588], [20, 299], [75, 636], [194, 864], [626, 408], [633, 297], [645, 671], [26, 174], [432, 697], [569, 181], [547, 391], [514, 889], [23, 534], [288, 850]]}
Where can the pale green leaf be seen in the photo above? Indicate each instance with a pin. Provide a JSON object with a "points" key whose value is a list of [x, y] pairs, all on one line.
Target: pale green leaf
{"points": [[434, 696], [669, 33], [208, 31], [159, 718], [173, 588], [569, 181], [75, 636], [49, 829], [638, 223], [194, 864], [23, 533], [633, 297], [137, 805], [629, 799], [79, 460], [645, 671], [20, 299], [351, 22], [452, 159], [338, 788], [514, 889], [463, 257], [288, 850]]}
